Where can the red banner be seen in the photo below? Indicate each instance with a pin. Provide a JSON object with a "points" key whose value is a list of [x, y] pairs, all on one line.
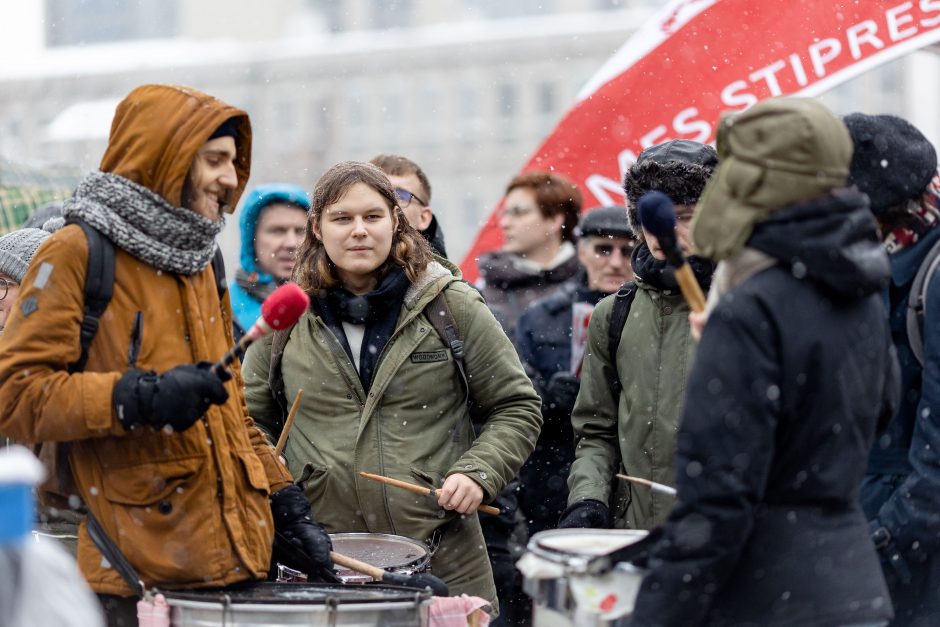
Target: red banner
{"points": [[697, 58]]}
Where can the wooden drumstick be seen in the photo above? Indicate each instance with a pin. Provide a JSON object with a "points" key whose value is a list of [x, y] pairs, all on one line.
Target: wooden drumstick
{"points": [[656, 487], [417, 489], [291, 415], [417, 580]]}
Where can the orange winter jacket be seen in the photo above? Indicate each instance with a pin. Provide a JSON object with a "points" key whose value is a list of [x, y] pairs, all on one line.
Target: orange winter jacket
{"points": [[188, 509]]}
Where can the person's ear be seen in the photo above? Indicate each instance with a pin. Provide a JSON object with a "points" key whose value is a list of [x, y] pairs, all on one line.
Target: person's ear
{"points": [[315, 228], [424, 219], [558, 221]]}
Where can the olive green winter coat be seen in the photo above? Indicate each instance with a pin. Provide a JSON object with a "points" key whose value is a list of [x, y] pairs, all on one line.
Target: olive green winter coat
{"points": [[636, 432], [403, 427]]}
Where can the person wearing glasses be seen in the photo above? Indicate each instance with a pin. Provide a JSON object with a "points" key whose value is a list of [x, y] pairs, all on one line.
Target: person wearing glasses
{"points": [[538, 219], [413, 191], [272, 228], [552, 352], [633, 430]]}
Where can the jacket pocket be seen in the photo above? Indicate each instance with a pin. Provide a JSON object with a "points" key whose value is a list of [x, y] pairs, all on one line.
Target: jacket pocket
{"points": [[254, 469], [313, 481], [163, 517], [146, 484], [427, 479]]}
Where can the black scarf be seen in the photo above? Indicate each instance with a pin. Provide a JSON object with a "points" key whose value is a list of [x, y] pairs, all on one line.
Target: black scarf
{"points": [[378, 311], [662, 276]]}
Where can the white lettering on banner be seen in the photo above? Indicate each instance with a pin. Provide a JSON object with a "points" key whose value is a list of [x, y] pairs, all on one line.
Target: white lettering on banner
{"points": [[862, 33], [653, 137], [896, 20], [820, 58], [737, 95], [683, 125], [600, 185], [798, 70], [730, 97], [930, 6]]}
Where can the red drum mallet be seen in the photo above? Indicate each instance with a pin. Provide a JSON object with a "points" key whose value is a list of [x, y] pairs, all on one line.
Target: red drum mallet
{"points": [[281, 310]]}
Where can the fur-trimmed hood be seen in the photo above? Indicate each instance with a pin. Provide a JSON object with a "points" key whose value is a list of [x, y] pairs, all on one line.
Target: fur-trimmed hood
{"points": [[679, 168]]}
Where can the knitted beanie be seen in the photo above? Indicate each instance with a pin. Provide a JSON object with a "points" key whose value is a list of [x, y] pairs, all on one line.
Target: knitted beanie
{"points": [[17, 249], [892, 161]]}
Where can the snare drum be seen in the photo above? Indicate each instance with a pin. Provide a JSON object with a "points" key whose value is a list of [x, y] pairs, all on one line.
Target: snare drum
{"points": [[300, 604], [396, 554], [562, 594]]}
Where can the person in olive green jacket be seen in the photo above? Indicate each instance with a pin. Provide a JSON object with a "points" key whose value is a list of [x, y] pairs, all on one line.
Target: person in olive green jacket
{"points": [[633, 429], [382, 392]]}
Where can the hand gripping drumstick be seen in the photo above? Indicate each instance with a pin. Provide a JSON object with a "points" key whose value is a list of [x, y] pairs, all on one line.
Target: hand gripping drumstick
{"points": [[281, 310], [281, 441], [658, 216], [418, 580], [417, 489]]}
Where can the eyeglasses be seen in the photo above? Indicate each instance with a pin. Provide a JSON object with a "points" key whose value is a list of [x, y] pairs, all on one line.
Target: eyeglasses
{"points": [[517, 212], [405, 197], [606, 250], [5, 287]]}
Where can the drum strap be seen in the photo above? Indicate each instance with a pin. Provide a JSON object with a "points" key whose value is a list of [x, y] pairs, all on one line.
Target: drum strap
{"points": [[113, 554]]}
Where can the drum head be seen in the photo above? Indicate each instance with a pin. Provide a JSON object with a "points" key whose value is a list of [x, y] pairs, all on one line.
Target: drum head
{"points": [[296, 593], [383, 550], [584, 542]]}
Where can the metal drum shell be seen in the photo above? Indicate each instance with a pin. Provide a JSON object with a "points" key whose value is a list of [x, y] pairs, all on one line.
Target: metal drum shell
{"points": [[554, 604], [285, 605]]}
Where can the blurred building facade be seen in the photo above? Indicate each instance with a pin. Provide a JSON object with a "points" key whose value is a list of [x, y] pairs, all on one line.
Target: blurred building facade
{"points": [[467, 88]]}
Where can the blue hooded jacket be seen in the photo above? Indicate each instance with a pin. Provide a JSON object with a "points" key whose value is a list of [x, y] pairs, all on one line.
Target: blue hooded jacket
{"points": [[246, 307]]}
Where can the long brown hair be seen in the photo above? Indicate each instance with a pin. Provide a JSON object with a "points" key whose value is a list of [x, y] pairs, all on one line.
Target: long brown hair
{"points": [[315, 270]]}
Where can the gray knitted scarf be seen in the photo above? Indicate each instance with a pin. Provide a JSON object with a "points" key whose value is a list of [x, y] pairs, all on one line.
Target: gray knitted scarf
{"points": [[144, 224]]}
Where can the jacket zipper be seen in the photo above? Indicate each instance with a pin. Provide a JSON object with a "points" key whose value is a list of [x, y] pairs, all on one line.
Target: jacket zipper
{"points": [[137, 331]]}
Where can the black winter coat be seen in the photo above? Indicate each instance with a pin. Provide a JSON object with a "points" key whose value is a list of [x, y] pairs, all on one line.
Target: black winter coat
{"points": [[901, 492], [543, 339], [794, 369]]}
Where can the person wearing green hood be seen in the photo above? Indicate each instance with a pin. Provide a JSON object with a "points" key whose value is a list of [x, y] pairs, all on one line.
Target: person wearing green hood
{"points": [[794, 369]]}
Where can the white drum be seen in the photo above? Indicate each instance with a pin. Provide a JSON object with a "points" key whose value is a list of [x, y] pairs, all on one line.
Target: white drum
{"points": [[564, 592]]}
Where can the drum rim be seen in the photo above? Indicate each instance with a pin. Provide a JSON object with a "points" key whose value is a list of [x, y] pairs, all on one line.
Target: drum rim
{"points": [[419, 562], [539, 549], [408, 596]]}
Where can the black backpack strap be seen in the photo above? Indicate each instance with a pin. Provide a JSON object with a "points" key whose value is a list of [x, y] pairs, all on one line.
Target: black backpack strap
{"points": [[917, 302], [442, 319], [99, 287], [218, 268], [618, 318], [275, 375]]}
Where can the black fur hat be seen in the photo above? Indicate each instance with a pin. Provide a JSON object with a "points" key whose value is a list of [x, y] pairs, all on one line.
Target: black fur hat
{"points": [[678, 168], [892, 160]]}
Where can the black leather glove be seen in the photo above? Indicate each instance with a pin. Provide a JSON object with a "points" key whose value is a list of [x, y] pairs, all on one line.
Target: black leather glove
{"points": [[299, 542], [561, 393], [586, 514], [177, 398]]}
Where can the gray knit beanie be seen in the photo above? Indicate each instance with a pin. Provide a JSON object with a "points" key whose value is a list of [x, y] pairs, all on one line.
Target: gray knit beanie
{"points": [[17, 249]]}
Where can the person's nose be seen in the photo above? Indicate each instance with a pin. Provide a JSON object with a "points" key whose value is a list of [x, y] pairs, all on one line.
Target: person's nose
{"points": [[359, 227], [616, 259], [504, 221], [292, 239], [229, 177]]}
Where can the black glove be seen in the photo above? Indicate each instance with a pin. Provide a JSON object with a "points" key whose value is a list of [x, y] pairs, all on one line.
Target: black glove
{"points": [[176, 398], [586, 514], [561, 393], [299, 542]]}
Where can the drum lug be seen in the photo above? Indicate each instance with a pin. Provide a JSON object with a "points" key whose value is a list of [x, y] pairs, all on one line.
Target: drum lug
{"points": [[333, 604]]}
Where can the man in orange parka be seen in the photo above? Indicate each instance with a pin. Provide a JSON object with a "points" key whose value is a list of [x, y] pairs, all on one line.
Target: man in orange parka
{"points": [[170, 463]]}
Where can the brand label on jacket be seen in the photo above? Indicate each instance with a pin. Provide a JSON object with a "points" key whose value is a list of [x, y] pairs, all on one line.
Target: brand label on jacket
{"points": [[428, 357]]}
